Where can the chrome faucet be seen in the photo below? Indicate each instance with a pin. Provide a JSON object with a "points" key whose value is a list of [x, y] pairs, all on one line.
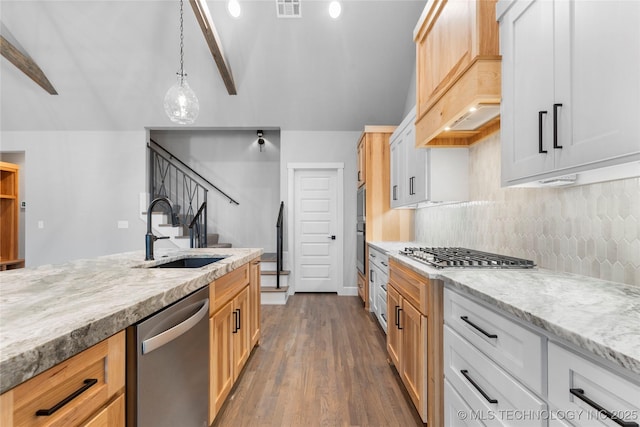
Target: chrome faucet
{"points": [[150, 237]]}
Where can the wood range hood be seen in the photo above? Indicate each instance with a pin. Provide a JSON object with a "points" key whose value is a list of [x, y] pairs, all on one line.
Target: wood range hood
{"points": [[458, 72]]}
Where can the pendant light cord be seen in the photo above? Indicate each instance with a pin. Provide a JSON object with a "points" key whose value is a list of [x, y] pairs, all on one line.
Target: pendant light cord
{"points": [[181, 74]]}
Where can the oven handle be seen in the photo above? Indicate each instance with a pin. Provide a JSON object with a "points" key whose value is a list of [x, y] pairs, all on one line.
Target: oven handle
{"points": [[171, 334]]}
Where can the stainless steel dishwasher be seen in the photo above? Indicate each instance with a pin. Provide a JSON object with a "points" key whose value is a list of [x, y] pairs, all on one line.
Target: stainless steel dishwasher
{"points": [[168, 366]]}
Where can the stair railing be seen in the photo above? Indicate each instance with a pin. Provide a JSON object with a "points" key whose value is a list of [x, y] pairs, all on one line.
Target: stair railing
{"points": [[198, 228], [172, 158], [279, 230]]}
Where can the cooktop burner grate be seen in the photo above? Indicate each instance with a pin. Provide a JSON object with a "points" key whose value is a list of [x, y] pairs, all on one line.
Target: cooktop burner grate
{"points": [[464, 258]]}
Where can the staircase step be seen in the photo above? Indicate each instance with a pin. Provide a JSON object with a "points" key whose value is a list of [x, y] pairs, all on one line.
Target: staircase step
{"points": [[273, 296], [268, 257], [284, 288], [218, 245], [213, 238], [273, 273]]}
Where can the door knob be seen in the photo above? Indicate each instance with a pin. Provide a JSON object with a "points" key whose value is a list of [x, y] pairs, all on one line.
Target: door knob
{"points": [[332, 237]]}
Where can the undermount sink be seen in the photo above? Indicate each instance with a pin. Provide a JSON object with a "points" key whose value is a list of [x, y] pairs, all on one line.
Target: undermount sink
{"points": [[194, 262]]}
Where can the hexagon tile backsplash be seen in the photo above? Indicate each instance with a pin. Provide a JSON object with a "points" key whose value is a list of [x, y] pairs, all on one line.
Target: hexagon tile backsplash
{"points": [[591, 230]]}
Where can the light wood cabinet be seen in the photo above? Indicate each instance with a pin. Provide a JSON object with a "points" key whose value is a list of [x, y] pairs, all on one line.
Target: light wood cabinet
{"points": [[86, 389], [363, 289], [414, 338], [457, 68], [254, 299], [9, 216], [571, 93], [362, 164], [382, 222], [233, 328]]}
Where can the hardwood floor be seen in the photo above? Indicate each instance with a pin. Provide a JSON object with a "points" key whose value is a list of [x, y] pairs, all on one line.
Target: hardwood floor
{"points": [[321, 361]]}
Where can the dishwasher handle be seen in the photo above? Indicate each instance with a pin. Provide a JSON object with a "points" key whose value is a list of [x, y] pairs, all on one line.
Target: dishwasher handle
{"points": [[165, 337]]}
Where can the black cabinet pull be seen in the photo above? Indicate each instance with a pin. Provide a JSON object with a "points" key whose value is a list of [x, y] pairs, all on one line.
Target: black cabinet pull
{"points": [[384, 317], [385, 264], [239, 318], [540, 114], [384, 287], [487, 334], [411, 186], [359, 176], [371, 275], [395, 192], [397, 322], [555, 125], [473, 383], [235, 321], [47, 412], [579, 393], [399, 310]]}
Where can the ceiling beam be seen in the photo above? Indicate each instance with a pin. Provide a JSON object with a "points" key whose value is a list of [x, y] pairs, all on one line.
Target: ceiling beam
{"points": [[203, 16], [25, 64]]}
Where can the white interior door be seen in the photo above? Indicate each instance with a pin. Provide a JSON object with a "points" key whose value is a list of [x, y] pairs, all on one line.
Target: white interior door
{"points": [[315, 230]]}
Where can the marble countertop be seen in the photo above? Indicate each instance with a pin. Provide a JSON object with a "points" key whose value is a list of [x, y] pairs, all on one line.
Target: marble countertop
{"points": [[52, 312], [598, 316]]}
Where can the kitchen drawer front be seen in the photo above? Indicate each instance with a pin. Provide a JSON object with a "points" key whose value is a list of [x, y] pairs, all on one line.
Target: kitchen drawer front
{"points": [[103, 362], [223, 289], [463, 363], [382, 311], [516, 348], [379, 259], [410, 285], [456, 411], [111, 416], [614, 393]]}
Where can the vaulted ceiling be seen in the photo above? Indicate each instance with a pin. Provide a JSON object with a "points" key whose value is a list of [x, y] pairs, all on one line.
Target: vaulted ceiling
{"points": [[112, 62]]}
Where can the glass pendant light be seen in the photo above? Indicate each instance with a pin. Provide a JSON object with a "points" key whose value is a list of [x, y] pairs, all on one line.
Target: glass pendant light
{"points": [[181, 103]]}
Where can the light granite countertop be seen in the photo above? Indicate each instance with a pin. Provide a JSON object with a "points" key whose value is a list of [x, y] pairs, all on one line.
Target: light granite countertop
{"points": [[598, 316], [52, 312]]}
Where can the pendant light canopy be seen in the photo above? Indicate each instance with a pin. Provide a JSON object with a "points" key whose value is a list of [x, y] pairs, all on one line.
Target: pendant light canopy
{"points": [[181, 103]]}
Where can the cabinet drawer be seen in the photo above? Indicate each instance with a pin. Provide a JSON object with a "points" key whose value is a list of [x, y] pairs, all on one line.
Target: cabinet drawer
{"points": [[382, 311], [94, 376], [471, 374], [456, 411], [111, 416], [515, 348], [607, 390], [379, 259], [223, 289], [410, 285]]}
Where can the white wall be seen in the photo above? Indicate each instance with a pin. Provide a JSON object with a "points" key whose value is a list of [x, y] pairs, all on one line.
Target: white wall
{"points": [[80, 184], [316, 147], [232, 160]]}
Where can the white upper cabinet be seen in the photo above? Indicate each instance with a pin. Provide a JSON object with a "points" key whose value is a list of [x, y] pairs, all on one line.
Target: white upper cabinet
{"points": [[425, 175], [571, 90]]}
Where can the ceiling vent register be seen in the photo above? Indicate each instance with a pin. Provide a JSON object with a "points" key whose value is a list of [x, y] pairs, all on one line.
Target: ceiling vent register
{"points": [[288, 8]]}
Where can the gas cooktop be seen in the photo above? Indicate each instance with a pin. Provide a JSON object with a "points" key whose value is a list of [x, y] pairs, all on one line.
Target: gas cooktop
{"points": [[464, 258]]}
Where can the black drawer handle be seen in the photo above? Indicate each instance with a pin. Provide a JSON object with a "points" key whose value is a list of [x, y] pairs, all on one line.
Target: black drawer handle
{"points": [[540, 129], [371, 275], [399, 310], [385, 264], [579, 393], [487, 334], [384, 317], [473, 383], [384, 287], [47, 412]]}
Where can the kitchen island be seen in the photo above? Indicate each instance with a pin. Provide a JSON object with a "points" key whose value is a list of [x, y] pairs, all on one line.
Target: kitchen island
{"points": [[53, 312]]}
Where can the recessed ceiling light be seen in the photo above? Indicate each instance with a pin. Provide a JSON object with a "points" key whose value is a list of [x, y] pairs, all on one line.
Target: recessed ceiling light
{"points": [[335, 9], [233, 6], [447, 128], [472, 109]]}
